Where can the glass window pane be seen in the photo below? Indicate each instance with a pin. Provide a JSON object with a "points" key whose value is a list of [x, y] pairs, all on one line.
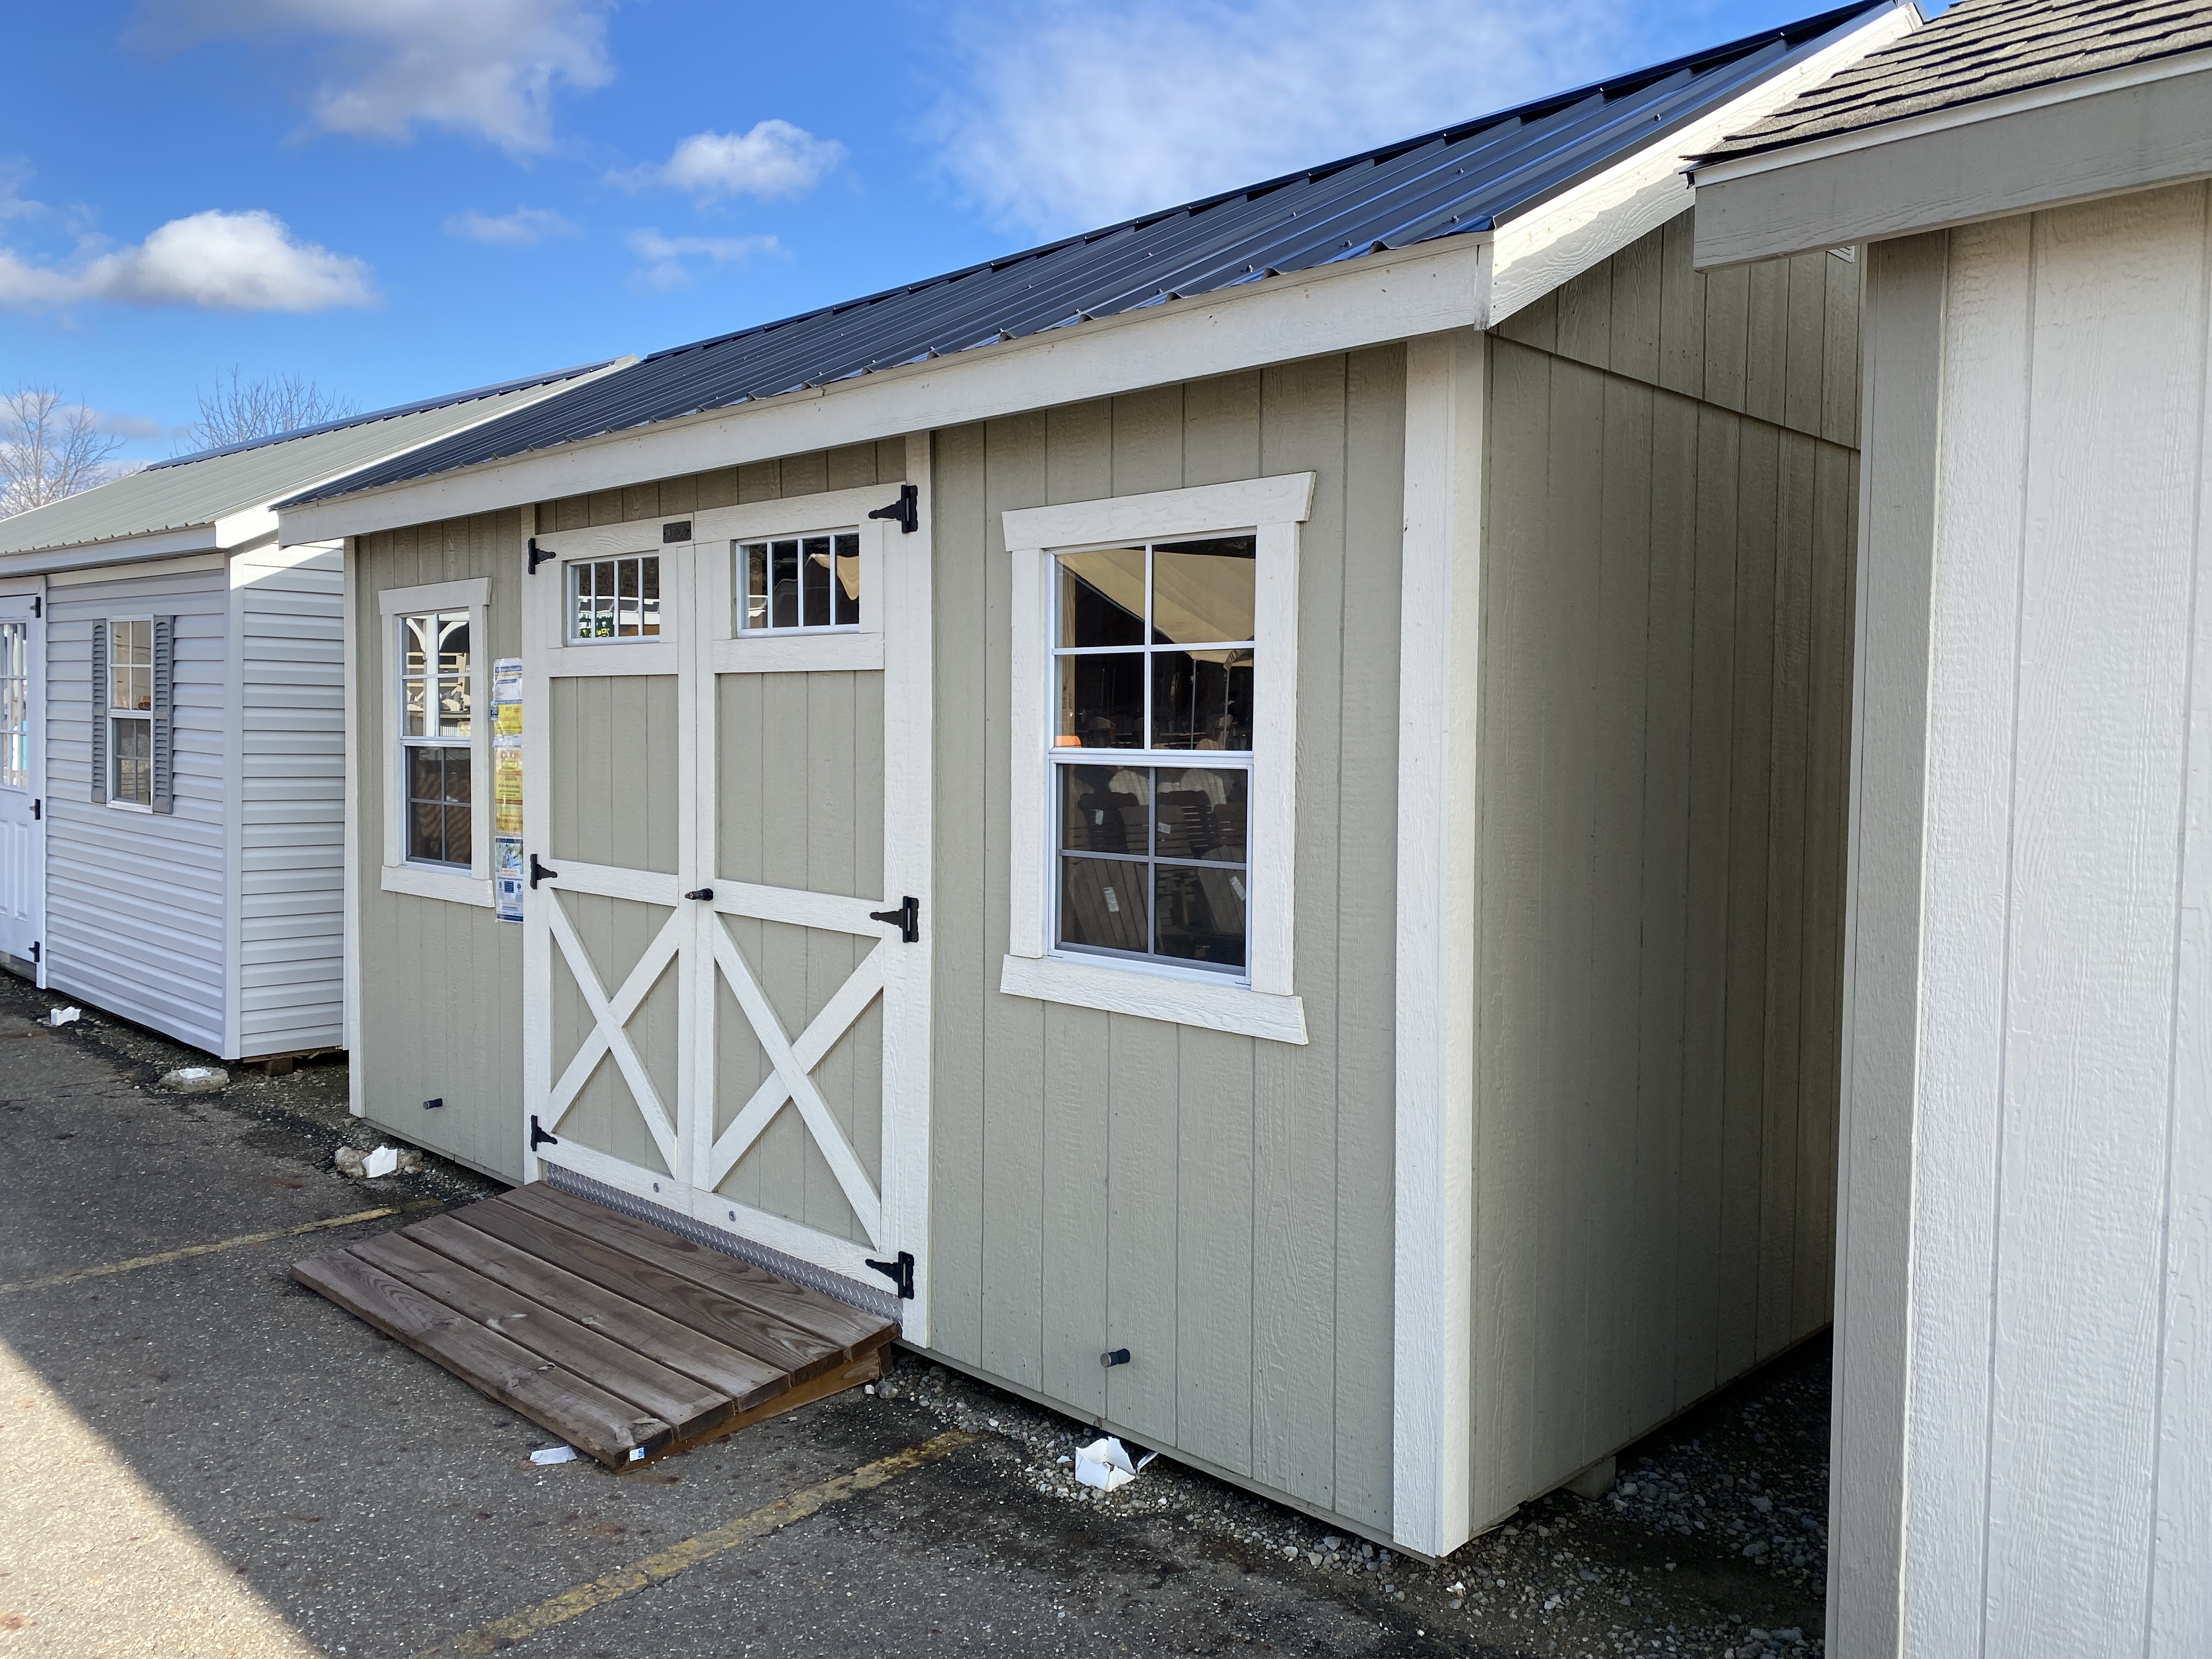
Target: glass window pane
{"points": [[1102, 904], [783, 584], [580, 601], [1101, 597], [1201, 814], [453, 710], [814, 579], [1200, 914], [626, 598], [1202, 699], [1102, 702], [1103, 809], [847, 591], [755, 561], [1203, 592], [133, 742], [649, 596], [603, 600], [458, 839]]}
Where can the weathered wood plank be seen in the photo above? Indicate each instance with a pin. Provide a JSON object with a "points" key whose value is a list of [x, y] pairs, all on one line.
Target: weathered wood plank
{"points": [[588, 1418]]}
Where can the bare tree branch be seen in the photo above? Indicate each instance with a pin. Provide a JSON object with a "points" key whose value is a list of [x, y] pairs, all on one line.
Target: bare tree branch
{"points": [[243, 409], [49, 448]]}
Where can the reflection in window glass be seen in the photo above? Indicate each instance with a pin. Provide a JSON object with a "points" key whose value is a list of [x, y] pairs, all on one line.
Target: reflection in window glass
{"points": [[15, 705], [800, 581], [438, 804], [614, 599], [1154, 862], [435, 707]]}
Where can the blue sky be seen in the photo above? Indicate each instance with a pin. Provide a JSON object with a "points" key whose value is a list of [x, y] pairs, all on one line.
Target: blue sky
{"points": [[404, 197]]}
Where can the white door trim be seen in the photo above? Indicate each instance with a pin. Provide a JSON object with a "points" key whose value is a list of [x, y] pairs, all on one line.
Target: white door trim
{"points": [[29, 608]]}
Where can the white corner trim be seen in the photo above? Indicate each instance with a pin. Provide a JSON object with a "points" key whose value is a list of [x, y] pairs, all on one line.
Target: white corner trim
{"points": [[1958, 115], [1439, 637], [1201, 510], [434, 596], [1271, 508], [356, 1064], [1588, 224], [1178, 998], [419, 882]]}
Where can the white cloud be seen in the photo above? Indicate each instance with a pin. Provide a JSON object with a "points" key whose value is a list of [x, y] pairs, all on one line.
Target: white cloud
{"points": [[663, 256], [15, 173], [214, 261], [775, 159], [490, 67], [1075, 116], [128, 426], [526, 226]]}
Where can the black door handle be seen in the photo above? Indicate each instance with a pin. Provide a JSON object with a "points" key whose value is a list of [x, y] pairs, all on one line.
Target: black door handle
{"points": [[907, 918], [538, 873]]}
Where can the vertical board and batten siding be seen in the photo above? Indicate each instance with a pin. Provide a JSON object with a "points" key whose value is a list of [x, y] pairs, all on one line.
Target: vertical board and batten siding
{"points": [[1664, 744], [291, 624], [135, 901], [441, 982], [2024, 1386], [1218, 1205]]}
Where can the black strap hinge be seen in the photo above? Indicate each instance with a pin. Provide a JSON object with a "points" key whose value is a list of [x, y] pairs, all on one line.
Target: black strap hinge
{"points": [[538, 873], [905, 512], [900, 1271], [907, 918], [38, 810], [38, 604], [538, 558], [700, 893], [538, 1137], [38, 952]]}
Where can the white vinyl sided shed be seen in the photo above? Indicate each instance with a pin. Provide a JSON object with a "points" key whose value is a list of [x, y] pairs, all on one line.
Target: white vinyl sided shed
{"points": [[171, 810], [2022, 1449], [1236, 820]]}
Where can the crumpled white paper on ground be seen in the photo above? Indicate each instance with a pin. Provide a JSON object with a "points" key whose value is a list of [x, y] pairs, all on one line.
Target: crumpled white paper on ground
{"points": [[1104, 1463]]}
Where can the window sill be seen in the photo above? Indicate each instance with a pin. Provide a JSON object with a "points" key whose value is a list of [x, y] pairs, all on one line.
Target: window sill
{"points": [[1178, 999], [454, 886]]}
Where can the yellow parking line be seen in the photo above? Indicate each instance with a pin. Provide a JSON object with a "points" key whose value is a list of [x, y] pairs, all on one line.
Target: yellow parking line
{"points": [[137, 1262], [658, 1569]]}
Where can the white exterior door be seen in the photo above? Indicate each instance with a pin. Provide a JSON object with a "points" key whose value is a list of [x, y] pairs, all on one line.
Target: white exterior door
{"points": [[23, 779], [726, 796]]}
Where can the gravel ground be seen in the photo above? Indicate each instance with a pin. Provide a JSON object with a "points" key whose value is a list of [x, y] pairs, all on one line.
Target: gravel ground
{"points": [[1712, 1540]]}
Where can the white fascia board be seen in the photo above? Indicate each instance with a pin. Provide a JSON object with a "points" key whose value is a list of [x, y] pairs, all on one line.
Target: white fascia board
{"points": [[124, 549], [1588, 224], [1959, 115], [246, 525], [1370, 300]]}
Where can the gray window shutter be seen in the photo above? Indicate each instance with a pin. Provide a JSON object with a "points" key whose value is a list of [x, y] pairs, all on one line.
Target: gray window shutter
{"points": [[165, 680], [98, 712]]}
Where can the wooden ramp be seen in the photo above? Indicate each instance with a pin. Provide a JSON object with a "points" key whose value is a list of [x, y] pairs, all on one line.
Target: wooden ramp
{"points": [[623, 1338]]}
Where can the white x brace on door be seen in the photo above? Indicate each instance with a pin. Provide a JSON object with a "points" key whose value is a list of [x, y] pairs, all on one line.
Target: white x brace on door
{"points": [[725, 1014]]}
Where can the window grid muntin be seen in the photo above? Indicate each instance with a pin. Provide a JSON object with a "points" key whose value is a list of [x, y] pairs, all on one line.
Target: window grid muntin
{"points": [[1153, 761], [436, 663], [15, 705], [824, 597], [615, 598]]}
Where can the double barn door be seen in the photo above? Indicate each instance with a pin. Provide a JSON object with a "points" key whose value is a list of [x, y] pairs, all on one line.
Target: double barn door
{"points": [[726, 1009]]}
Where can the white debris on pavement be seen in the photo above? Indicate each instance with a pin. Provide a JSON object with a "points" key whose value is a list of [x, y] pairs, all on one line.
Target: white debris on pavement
{"points": [[1104, 1463], [554, 1455], [194, 1080], [63, 1016]]}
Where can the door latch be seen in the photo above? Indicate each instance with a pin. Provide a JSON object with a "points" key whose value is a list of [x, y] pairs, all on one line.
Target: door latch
{"points": [[538, 873], [700, 893], [37, 811], [900, 1271], [907, 918], [539, 1137], [905, 512], [538, 558]]}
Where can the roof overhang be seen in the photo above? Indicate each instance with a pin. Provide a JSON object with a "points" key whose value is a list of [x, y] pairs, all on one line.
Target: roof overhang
{"points": [[225, 535], [1473, 279], [2134, 128]]}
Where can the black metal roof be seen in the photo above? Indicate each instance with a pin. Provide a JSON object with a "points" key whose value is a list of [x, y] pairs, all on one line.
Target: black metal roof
{"points": [[1471, 177]]}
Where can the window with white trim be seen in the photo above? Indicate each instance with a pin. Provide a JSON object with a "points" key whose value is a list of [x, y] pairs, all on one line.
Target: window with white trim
{"points": [[130, 712], [788, 583], [616, 599], [437, 753], [1153, 652], [15, 705]]}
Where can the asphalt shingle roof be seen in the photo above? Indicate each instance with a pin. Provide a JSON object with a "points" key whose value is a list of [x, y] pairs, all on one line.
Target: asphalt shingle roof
{"points": [[1980, 48], [1471, 177]]}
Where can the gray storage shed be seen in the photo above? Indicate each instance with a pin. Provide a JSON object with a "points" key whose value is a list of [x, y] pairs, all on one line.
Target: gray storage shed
{"points": [[172, 736], [1255, 794]]}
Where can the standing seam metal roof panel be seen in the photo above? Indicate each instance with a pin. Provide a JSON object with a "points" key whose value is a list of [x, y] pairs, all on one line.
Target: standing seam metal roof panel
{"points": [[1471, 177]]}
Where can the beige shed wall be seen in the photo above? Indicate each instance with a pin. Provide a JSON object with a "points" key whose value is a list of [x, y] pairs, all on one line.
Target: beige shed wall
{"points": [[1218, 1205], [1664, 745]]}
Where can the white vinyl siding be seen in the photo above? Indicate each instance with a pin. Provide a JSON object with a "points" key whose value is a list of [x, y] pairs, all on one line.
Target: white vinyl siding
{"points": [[290, 608], [135, 900]]}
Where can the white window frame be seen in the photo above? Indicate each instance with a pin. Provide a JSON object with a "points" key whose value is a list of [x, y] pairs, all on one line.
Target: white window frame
{"points": [[1270, 510], [567, 568], [399, 875], [111, 715], [740, 592]]}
